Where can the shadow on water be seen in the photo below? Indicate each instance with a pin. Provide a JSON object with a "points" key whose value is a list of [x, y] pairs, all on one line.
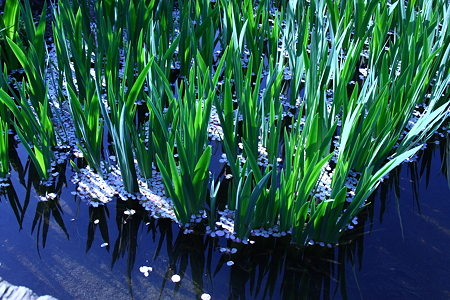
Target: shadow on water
{"points": [[44, 209], [129, 216], [270, 268], [396, 183], [98, 218]]}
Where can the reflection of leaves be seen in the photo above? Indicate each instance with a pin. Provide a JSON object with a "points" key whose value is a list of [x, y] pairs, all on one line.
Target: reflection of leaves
{"points": [[10, 193], [259, 266], [238, 281], [188, 249], [16, 163], [212, 244], [222, 261], [445, 157], [57, 210], [165, 228], [100, 213], [128, 226], [425, 157], [165, 232], [306, 273], [415, 179], [192, 247], [310, 275], [274, 267], [395, 185], [391, 184], [266, 268], [44, 210]]}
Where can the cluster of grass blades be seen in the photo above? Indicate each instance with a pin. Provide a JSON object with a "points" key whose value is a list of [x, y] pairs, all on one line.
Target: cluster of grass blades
{"points": [[314, 101], [31, 107], [9, 28]]}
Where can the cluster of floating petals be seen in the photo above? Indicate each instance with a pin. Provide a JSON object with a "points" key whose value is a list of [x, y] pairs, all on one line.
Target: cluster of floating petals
{"points": [[145, 270]]}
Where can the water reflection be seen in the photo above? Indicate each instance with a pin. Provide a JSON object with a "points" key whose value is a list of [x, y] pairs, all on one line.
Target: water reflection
{"points": [[129, 216], [44, 209], [98, 218], [10, 195], [393, 187], [15, 161]]}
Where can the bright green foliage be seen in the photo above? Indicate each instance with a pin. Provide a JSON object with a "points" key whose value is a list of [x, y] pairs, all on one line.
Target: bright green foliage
{"points": [[4, 158], [191, 181], [88, 127], [9, 28], [31, 109], [4, 127], [322, 88], [35, 130]]}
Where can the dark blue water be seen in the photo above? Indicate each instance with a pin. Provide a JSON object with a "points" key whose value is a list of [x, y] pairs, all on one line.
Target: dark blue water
{"points": [[406, 254], [398, 251]]}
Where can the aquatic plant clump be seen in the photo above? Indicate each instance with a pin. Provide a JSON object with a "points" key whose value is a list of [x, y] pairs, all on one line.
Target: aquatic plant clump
{"points": [[306, 106]]}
